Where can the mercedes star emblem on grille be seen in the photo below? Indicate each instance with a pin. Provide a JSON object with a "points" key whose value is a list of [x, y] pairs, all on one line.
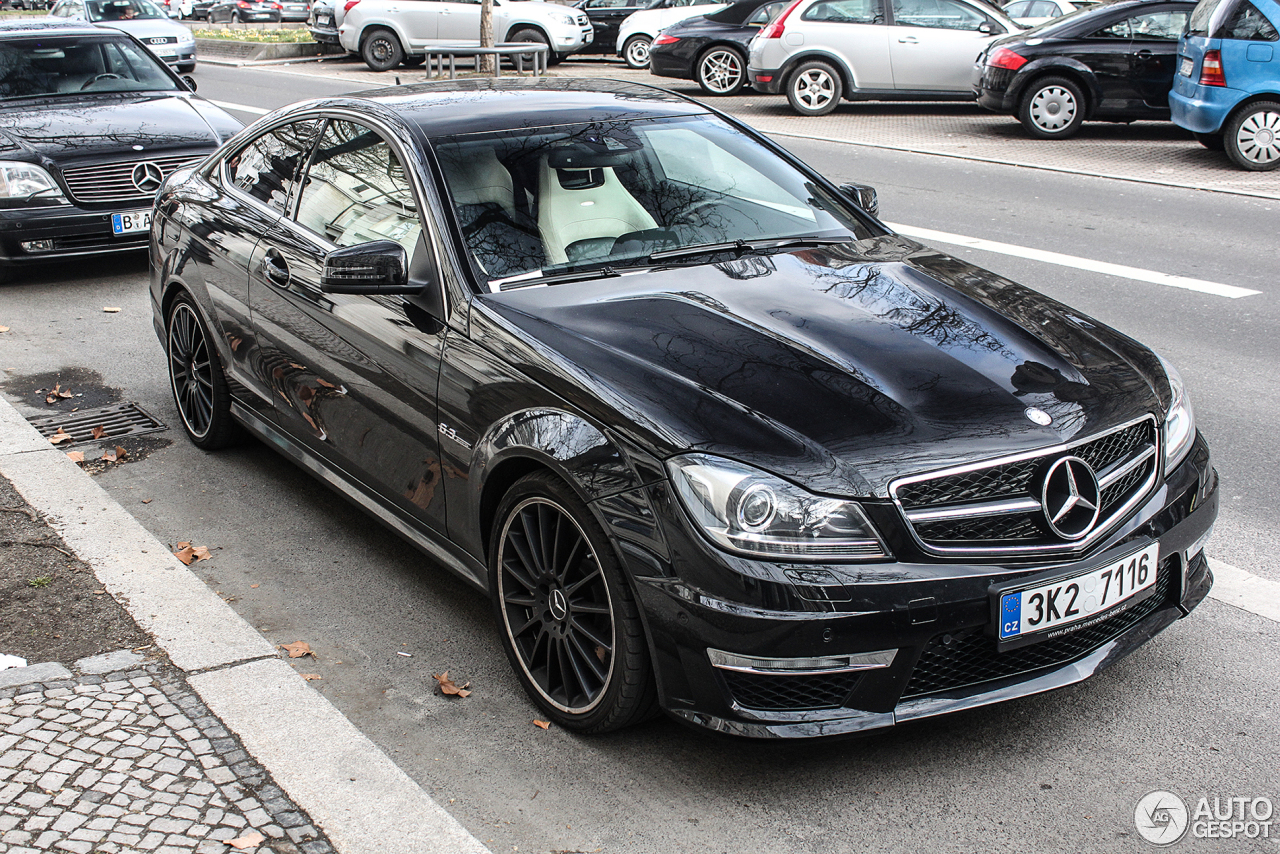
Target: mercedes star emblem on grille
{"points": [[147, 177], [1070, 498], [1038, 416]]}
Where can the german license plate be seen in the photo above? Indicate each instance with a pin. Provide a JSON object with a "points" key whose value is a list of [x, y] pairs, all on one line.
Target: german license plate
{"points": [[1066, 604], [1185, 67], [324, 21], [128, 223]]}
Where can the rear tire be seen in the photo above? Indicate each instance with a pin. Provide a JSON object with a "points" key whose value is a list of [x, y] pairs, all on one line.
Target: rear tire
{"points": [[1052, 108], [721, 71], [1252, 137], [814, 89], [380, 49], [1211, 141], [636, 52]]}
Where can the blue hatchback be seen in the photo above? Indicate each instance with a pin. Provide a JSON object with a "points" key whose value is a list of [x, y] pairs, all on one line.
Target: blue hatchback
{"points": [[1227, 87]]}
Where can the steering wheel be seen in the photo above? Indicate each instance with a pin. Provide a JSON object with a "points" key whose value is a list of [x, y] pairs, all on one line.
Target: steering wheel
{"points": [[105, 76]]}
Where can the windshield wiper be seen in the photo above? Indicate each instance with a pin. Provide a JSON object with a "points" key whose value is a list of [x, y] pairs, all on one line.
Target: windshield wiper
{"points": [[525, 280], [743, 246]]}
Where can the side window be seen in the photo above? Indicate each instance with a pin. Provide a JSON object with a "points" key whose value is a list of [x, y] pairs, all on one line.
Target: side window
{"points": [[1019, 9], [1045, 9], [267, 167], [938, 14], [846, 12], [1158, 26], [764, 14], [356, 190], [1118, 30], [1248, 24]]}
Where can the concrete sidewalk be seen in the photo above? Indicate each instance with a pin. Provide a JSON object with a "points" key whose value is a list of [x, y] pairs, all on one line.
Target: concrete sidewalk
{"points": [[216, 740]]}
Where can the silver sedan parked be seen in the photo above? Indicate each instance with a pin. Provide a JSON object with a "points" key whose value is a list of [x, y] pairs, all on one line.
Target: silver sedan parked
{"points": [[819, 51], [165, 38]]}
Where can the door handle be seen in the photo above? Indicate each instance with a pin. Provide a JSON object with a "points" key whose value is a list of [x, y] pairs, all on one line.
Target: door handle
{"points": [[274, 268], [908, 40], [1144, 55]]}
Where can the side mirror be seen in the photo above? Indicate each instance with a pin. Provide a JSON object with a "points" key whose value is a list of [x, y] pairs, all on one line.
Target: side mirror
{"points": [[985, 28], [862, 196], [189, 81], [376, 267]]}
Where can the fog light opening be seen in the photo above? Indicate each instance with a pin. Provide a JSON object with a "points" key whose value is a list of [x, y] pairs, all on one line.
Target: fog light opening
{"points": [[802, 666], [37, 245]]}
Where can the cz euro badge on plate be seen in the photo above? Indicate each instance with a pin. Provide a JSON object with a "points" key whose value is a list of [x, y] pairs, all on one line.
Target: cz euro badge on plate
{"points": [[1045, 609]]}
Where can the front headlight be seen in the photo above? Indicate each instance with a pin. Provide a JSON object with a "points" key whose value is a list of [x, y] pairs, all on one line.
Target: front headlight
{"points": [[565, 19], [748, 511], [1179, 421], [25, 180]]}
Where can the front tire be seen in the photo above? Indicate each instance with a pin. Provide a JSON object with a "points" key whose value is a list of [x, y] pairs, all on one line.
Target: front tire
{"points": [[413, 60], [1252, 137], [814, 89], [1052, 108], [530, 36], [636, 52], [196, 378], [722, 71], [381, 49], [569, 622], [186, 68]]}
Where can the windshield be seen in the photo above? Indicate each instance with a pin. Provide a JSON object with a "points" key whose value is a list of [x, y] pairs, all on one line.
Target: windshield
{"points": [[34, 68], [613, 194], [123, 10]]}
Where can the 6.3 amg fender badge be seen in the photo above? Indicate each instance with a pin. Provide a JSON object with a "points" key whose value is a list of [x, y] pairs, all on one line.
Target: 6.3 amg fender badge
{"points": [[1071, 498]]}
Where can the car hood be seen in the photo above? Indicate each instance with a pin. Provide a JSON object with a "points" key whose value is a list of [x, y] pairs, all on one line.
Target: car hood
{"points": [[68, 129], [841, 368], [145, 28]]}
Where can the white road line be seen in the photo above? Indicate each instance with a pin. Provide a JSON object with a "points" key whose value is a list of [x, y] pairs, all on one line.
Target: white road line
{"points": [[239, 108], [1245, 591], [1135, 273]]}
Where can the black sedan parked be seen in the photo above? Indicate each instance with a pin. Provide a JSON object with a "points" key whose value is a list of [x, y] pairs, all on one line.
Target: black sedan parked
{"points": [[1113, 62], [606, 16], [245, 11], [712, 49], [91, 124], [710, 437]]}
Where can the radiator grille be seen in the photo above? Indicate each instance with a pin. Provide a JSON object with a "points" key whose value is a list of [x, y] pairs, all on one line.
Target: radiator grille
{"points": [[112, 183]]}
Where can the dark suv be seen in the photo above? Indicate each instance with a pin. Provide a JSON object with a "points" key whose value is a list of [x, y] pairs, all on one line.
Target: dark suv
{"points": [[1111, 63]]}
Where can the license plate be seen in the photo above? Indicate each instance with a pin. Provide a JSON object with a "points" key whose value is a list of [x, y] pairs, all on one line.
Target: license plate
{"points": [[1185, 67], [324, 21], [128, 223], [1066, 604]]}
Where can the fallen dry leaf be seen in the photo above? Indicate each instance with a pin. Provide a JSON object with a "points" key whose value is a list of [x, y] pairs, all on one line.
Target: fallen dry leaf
{"points": [[297, 649], [75, 456], [109, 456], [4, 329], [447, 687], [99, 432], [99, 592], [189, 554], [60, 437], [543, 724], [310, 677], [110, 309], [254, 586], [146, 501], [249, 840]]}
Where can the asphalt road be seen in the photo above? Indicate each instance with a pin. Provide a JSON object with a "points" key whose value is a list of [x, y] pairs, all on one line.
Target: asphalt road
{"points": [[1192, 712]]}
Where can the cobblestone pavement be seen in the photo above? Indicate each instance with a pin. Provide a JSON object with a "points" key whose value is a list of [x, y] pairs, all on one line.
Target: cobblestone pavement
{"points": [[132, 761], [1151, 152]]}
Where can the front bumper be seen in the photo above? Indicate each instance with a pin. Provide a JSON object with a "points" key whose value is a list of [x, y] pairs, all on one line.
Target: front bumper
{"points": [[71, 231], [934, 616]]}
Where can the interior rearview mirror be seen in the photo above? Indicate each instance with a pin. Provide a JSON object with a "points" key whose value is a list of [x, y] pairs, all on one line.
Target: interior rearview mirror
{"points": [[862, 196]]}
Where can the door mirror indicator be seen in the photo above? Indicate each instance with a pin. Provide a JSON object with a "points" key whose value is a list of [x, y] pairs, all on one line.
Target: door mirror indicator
{"points": [[377, 267]]}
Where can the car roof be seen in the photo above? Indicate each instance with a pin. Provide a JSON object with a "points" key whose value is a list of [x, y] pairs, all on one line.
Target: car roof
{"points": [[454, 107], [18, 27]]}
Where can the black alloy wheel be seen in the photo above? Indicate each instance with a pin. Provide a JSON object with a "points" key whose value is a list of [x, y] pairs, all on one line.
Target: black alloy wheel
{"points": [[196, 377], [722, 71], [381, 49], [569, 621], [1053, 108]]}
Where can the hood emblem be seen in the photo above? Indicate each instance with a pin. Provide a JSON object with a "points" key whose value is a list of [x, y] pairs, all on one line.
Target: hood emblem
{"points": [[147, 177], [1071, 498], [1038, 416]]}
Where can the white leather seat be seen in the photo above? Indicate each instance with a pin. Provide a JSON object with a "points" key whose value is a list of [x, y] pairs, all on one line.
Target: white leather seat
{"points": [[480, 179], [569, 215]]}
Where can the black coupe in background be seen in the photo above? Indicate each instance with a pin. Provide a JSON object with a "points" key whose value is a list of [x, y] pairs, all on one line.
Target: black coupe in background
{"points": [[1112, 62], [710, 437], [91, 123], [712, 49]]}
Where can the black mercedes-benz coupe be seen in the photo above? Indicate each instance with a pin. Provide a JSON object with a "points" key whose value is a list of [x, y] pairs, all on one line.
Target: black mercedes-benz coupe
{"points": [[1111, 62], [91, 123], [710, 437], [712, 49]]}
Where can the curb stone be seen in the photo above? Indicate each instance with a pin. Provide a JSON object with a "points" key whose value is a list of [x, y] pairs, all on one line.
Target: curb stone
{"points": [[352, 791]]}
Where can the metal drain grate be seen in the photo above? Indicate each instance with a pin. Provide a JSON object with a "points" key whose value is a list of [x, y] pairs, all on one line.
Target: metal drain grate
{"points": [[116, 421]]}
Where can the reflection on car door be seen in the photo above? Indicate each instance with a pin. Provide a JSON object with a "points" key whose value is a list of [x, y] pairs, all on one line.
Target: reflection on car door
{"points": [[933, 44], [420, 20], [1107, 53], [459, 21], [855, 30], [1153, 53], [354, 376]]}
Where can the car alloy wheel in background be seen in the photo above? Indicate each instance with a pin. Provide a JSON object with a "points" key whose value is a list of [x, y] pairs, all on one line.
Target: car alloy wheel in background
{"points": [[1252, 137], [814, 89], [1053, 108], [636, 52], [721, 71]]}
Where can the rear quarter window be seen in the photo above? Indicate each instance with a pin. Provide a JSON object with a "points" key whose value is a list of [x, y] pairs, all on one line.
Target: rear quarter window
{"points": [[846, 12], [1246, 23]]}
